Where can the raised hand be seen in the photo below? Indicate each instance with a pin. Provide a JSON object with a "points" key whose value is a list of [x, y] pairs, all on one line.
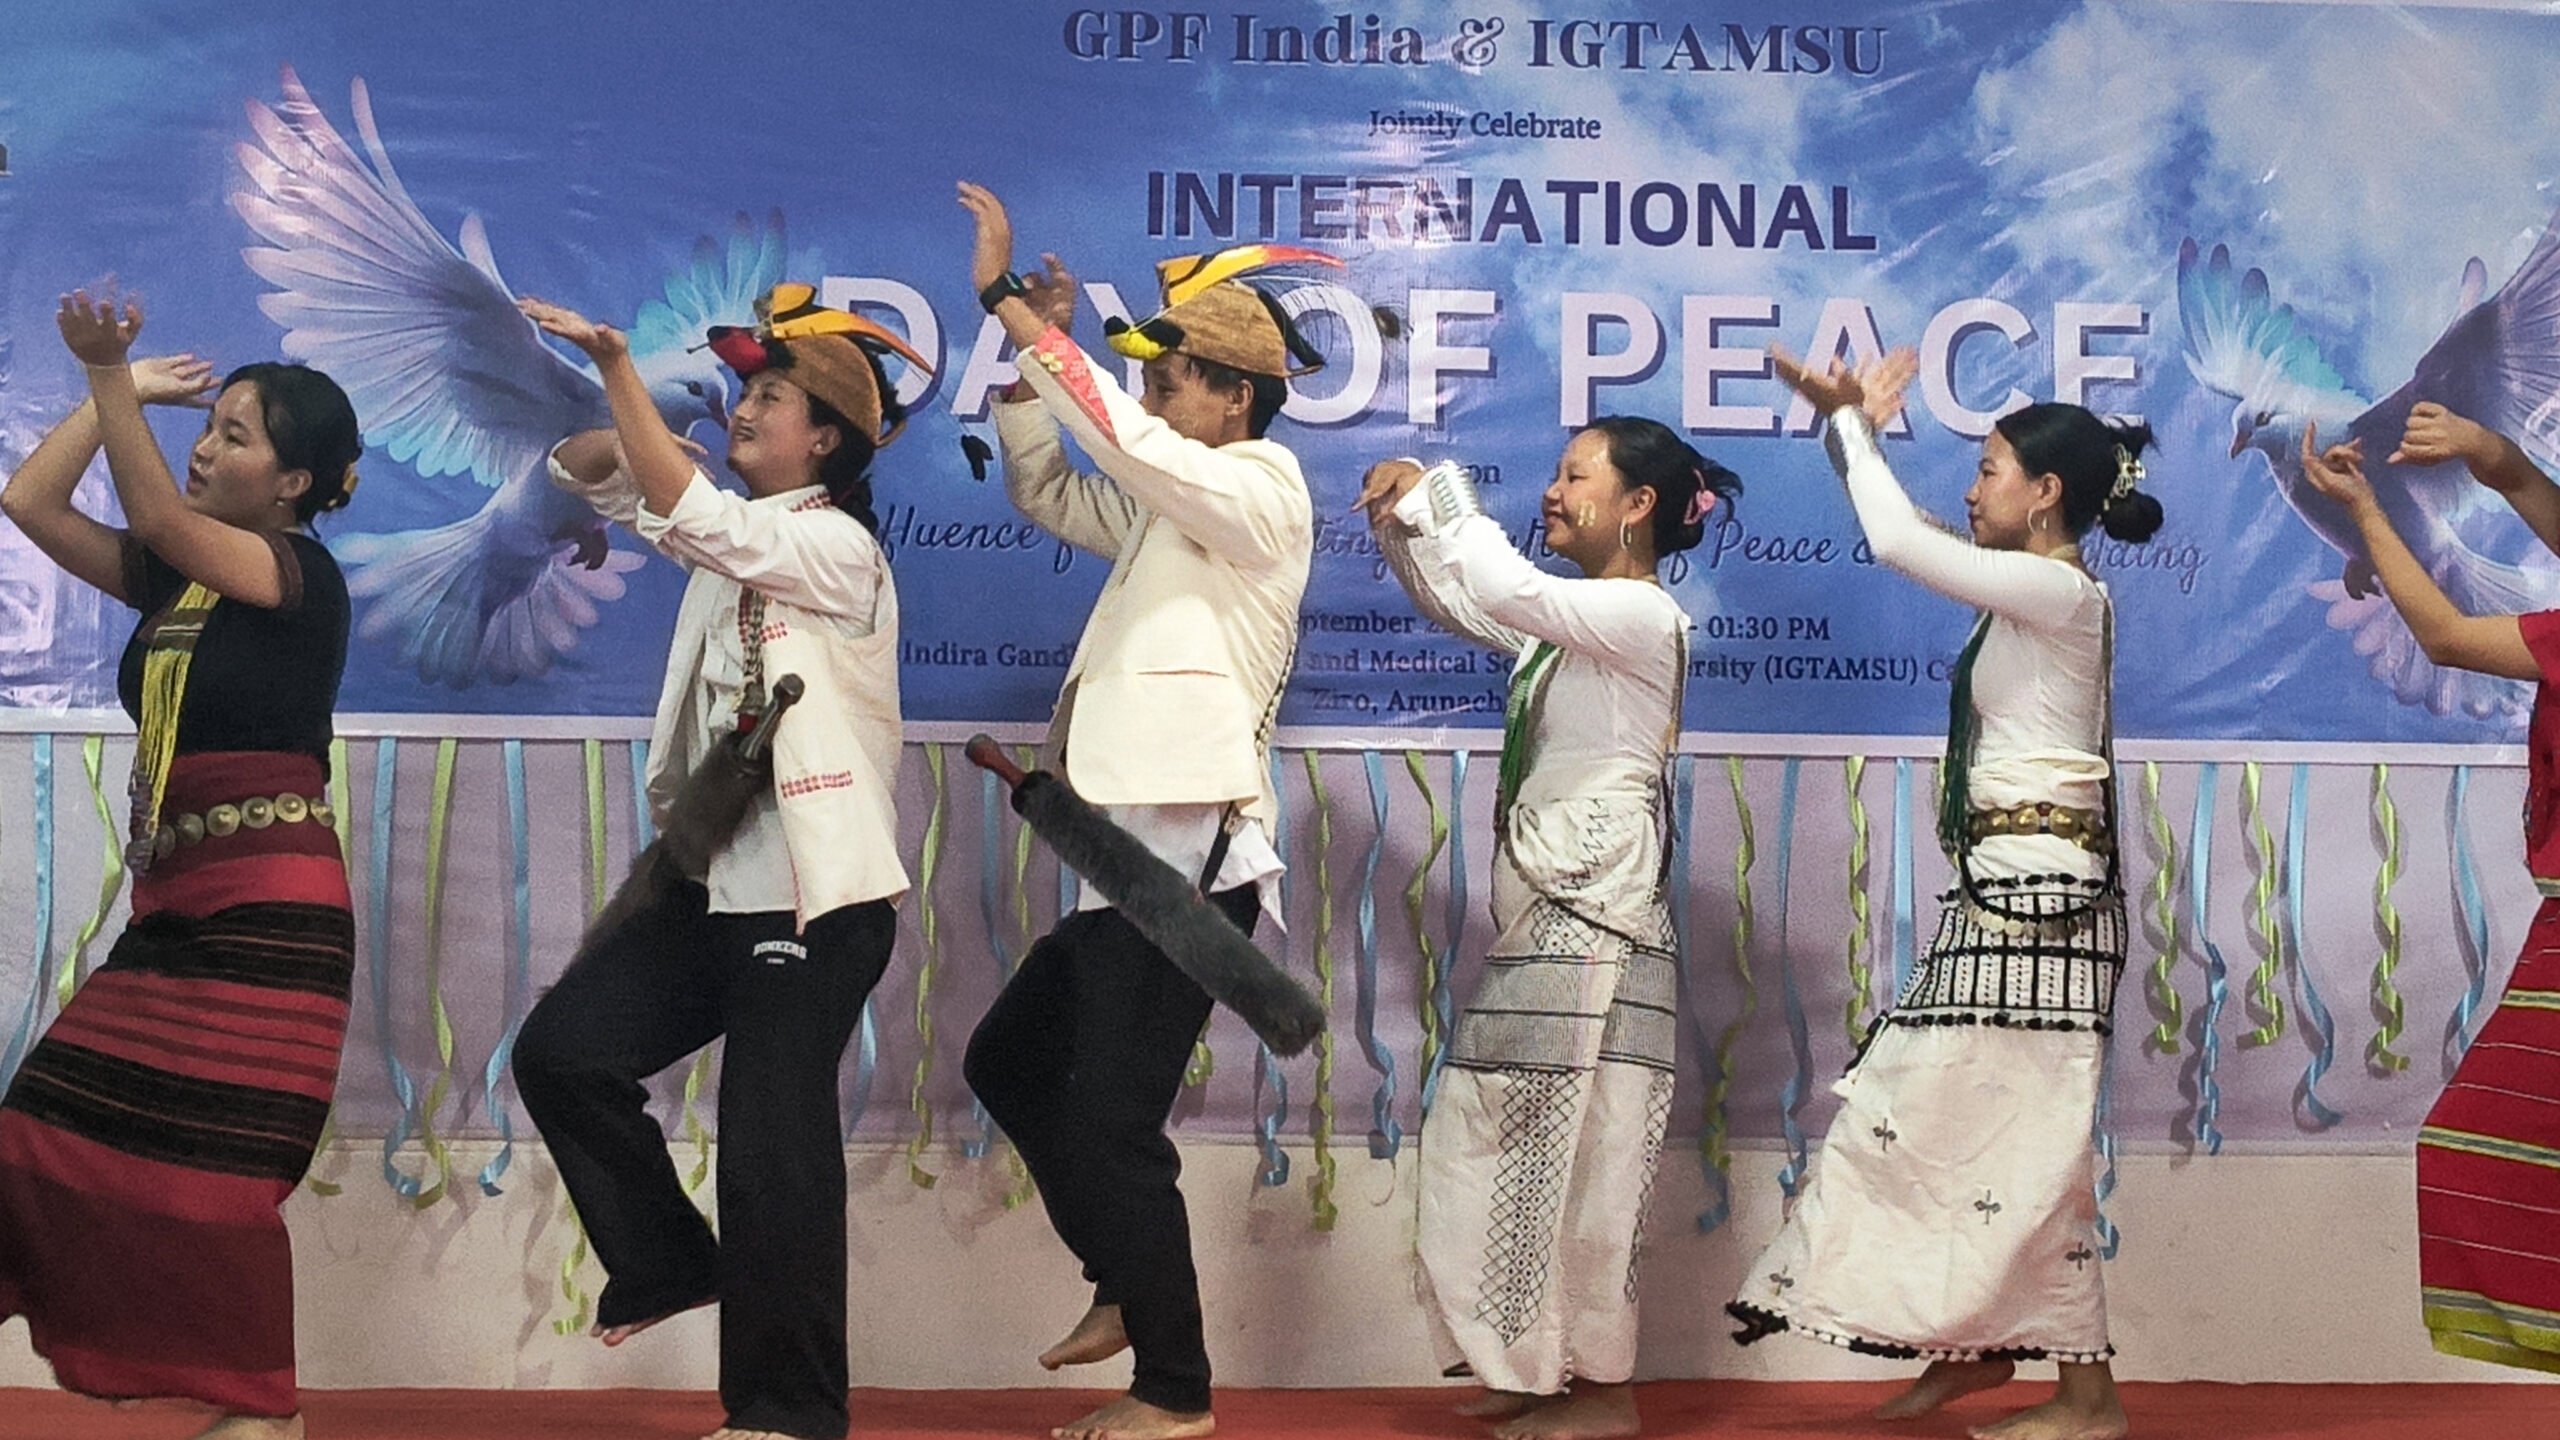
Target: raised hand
{"points": [[1051, 294], [1884, 379], [1387, 482], [1833, 387], [175, 380], [98, 332], [601, 342], [2337, 472], [2435, 435], [991, 255]]}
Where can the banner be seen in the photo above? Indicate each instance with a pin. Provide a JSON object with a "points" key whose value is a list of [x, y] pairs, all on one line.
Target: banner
{"points": [[2231, 219]]}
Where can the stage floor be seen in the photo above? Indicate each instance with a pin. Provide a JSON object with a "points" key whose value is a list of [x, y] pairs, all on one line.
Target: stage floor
{"points": [[1673, 1410]]}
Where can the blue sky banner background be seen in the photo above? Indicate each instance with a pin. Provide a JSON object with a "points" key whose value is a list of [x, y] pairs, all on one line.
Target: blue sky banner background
{"points": [[1924, 172]]}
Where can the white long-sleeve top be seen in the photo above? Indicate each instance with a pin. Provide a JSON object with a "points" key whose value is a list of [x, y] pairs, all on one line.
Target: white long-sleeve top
{"points": [[2040, 682], [1583, 828], [826, 835]]}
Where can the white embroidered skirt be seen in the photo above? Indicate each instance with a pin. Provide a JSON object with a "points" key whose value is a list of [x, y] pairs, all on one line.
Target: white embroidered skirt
{"points": [[1540, 1150], [1951, 1213]]}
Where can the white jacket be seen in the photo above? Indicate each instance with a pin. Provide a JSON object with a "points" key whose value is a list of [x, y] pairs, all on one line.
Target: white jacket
{"points": [[1190, 641], [827, 836]]}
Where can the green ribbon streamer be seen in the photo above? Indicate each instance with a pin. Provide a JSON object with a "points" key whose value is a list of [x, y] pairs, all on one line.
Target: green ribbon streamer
{"points": [[439, 827], [596, 875], [110, 876], [2387, 1005], [2265, 998], [1320, 1184], [1862, 978], [929, 924], [582, 1304], [339, 812], [2165, 1003], [1414, 892], [697, 1134], [1718, 1125]]}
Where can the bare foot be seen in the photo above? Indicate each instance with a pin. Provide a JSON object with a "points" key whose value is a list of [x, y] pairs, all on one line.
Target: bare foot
{"points": [[2084, 1407], [1491, 1404], [253, 1427], [2055, 1420], [1943, 1381], [613, 1335], [1098, 1336], [1588, 1412], [1130, 1418]]}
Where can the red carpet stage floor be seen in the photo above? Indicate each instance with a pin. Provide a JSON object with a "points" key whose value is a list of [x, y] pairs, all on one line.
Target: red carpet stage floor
{"points": [[1673, 1410]]}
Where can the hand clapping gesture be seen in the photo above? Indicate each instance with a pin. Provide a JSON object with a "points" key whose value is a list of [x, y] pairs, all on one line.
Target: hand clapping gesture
{"points": [[1050, 292], [99, 332], [1875, 386]]}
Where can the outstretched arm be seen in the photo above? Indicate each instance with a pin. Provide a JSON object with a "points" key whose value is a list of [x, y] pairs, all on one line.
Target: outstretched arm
{"points": [[657, 461], [2489, 644], [1412, 538], [2029, 589], [234, 563], [2436, 435]]}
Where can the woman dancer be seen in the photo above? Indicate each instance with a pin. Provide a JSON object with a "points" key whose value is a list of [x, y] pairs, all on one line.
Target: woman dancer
{"points": [[1951, 1216], [1540, 1148], [2488, 1259], [776, 945], [154, 1131]]}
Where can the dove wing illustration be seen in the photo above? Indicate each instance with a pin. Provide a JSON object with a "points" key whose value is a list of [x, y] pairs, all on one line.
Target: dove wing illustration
{"points": [[424, 336]]}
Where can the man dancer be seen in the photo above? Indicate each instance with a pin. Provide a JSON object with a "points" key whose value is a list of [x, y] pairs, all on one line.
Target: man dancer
{"points": [[1163, 722]]}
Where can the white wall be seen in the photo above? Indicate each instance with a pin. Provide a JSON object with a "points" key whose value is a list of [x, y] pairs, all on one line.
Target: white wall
{"points": [[2247, 1267]]}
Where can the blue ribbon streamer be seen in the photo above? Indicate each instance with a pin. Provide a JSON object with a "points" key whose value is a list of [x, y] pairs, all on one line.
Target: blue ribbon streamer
{"points": [[1906, 928], [2474, 914], [377, 904], [1791, 1097], [43, 787], [866, 1065], [1266, 1127], [1385, 1135], [2297, 829], [519, 971], [2102, 1133], [642, 829], [2217, 987], [1443, 1003], [1684, 794], [990, 910]]}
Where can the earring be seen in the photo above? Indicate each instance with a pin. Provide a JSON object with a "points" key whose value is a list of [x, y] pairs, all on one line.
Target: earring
{"points": [[1622, 534], [2038, 524]]}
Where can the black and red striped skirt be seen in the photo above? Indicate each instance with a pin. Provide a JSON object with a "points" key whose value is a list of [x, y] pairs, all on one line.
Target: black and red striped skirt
{"points": [[153, 1133]]}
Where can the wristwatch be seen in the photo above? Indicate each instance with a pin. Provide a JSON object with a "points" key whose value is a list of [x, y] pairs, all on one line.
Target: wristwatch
{"points": [[1000, 289]]}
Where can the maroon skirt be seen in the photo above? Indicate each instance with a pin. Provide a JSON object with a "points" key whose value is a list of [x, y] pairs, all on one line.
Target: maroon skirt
{"points": [[2489, 1176], [153, 1133]]}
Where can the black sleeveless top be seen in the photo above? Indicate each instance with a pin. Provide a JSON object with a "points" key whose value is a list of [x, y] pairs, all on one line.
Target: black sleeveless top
{"points": [[261, 679]]}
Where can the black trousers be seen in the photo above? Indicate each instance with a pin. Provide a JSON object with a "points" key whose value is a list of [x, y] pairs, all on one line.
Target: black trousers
{"points": [[668, 982], [1080, 1060]]}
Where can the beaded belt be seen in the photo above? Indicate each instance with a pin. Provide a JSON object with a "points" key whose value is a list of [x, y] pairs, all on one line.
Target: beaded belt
{"points": [[2084, 828], [256, 813]]}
